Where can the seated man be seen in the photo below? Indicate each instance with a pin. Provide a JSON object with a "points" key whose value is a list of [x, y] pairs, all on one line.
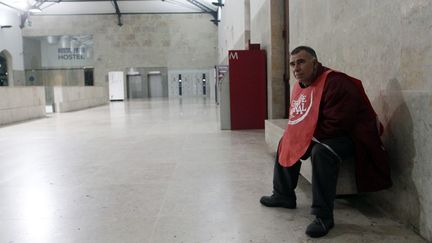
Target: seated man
{"points": [[330, 119]]}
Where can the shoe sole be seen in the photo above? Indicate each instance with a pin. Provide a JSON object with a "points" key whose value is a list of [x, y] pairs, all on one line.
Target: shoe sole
{"points": [[278, 205]]}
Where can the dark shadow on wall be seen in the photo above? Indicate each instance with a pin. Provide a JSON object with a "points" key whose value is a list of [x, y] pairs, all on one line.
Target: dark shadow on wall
{"points": [[402, 200]]}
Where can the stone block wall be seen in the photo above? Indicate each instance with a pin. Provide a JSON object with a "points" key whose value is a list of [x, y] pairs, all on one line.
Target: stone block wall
{"points": [[387, 45], [232, 29], [21, 103], [174, 41], [55, 77]]}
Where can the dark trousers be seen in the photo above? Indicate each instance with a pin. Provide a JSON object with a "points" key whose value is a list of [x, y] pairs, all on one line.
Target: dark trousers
{"points": [[325, 169]]}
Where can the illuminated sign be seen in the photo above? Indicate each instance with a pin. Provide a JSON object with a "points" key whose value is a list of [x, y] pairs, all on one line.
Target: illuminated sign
{"points": [[70, 54]]}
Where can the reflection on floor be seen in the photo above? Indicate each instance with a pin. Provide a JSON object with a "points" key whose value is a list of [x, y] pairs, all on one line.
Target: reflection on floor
{"points": [[154, 171]]}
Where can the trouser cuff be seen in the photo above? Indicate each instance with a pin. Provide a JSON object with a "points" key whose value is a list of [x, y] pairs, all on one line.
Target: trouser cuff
{"points": [[320, 213], [290, 195]]}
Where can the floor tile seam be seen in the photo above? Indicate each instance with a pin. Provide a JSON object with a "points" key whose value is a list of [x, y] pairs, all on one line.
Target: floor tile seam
{"points": [[103, 185], [37, 218], [215, 162], [66, 214], [242, 159], [220, 216], [231, 161], [94, 186], [212, 148], [165, 198], [220, 180]]}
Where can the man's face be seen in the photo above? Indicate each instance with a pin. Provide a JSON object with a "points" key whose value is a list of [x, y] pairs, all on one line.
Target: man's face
{"points": [[303, 66]]}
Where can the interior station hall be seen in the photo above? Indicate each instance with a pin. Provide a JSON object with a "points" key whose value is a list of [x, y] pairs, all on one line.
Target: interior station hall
{"points": [[124, 121]]}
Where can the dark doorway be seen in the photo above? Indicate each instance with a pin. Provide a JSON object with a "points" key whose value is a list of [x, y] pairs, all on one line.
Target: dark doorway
{"points": [[3, 72], [89, 76]]}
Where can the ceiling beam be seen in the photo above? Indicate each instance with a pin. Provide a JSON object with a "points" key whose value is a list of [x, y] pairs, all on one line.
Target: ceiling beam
{"points": [[117, 9], [77, 1], [206, 9], [24, 15], [39, 3], [203, 7]]}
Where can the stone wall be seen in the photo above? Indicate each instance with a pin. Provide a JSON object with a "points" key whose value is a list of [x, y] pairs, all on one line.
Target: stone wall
{"points": [[78, 98], [276, 70], [53, 77], [231, 29], [33, 53], [387, 45], [174, 41]]}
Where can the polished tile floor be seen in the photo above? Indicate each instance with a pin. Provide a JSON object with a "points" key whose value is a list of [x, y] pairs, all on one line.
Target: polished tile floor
{"points": [[155, 171]]}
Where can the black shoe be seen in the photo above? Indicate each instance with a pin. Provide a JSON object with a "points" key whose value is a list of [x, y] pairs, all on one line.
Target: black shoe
{"points": [[319, 227], [278, 201]]}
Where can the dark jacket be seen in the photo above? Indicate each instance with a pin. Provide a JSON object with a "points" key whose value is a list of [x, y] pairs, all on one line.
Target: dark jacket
{"points": [[345, 110]]}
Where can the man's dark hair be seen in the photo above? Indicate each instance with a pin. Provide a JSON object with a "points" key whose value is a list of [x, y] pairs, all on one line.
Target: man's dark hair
{"points": [[304, 48]]}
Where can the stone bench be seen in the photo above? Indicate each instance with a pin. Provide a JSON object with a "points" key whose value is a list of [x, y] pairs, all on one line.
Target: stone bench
{"points": [[274, 130], [21, 103], [72, 98]]}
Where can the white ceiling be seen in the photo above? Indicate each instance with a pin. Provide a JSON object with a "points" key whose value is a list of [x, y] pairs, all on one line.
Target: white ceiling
{"points": [[107, 7]]}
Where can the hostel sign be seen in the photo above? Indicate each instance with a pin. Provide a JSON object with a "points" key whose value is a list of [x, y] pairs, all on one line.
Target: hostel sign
{"points": [[70, 54]]}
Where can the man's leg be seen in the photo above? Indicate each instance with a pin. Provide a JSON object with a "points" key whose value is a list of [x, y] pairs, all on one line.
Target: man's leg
{"points": [[325, 168], [285, 179], [284, 183]]}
